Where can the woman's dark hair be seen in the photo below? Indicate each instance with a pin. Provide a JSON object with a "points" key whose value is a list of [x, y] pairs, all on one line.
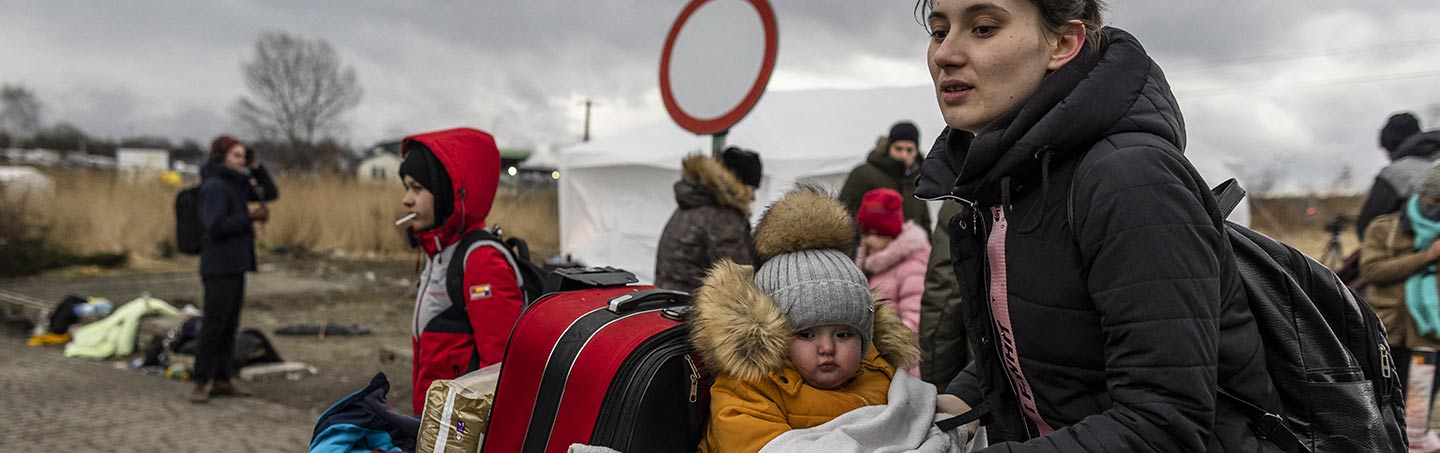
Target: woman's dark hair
{"points": [[1055, 13]]}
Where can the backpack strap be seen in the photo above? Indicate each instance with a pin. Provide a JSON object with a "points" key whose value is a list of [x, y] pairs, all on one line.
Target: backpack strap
{"points": [[1268, 425], [981, 412], [1227, 196], [455, 272]]}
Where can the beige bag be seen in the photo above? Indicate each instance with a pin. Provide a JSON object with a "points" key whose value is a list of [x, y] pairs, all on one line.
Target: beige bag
{"points": [[457, 412]]}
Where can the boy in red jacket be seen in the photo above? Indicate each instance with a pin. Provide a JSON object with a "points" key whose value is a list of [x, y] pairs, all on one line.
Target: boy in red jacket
{"points": [[450, 178]]}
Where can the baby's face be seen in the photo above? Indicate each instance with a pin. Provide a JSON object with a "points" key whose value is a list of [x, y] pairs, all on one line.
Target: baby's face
{"points": [[827, 356]]}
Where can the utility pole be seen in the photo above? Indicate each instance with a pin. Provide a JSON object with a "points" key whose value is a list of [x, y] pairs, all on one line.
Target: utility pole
{"points": [[587, 105]]}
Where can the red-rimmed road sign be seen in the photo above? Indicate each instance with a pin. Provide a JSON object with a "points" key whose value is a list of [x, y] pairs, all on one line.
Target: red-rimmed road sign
{"points": [[709, 123]]}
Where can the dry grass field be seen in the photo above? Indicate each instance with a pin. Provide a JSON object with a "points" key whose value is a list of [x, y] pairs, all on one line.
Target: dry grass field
{"points": [[95, 212], [101, 212]]}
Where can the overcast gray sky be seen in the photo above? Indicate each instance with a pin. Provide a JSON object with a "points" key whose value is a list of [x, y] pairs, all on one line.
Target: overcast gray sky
{"points": [[1297, 85]]}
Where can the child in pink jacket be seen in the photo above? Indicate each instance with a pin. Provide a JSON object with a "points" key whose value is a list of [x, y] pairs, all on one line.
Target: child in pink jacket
{"points": [[893, 253]]}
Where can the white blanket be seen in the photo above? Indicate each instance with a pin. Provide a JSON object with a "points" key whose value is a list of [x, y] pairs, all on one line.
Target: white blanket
{"points": [[905, 424]]}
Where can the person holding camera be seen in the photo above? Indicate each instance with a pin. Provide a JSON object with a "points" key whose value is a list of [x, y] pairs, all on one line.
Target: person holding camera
{"points": [[229, 182], [1398, 259]]}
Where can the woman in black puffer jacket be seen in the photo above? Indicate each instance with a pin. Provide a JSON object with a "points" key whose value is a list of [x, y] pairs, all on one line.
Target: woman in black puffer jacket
{"points": [[1114, 331]]}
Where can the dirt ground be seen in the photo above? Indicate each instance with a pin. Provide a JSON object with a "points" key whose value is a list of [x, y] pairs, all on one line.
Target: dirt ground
{"points": [[376, 294]]}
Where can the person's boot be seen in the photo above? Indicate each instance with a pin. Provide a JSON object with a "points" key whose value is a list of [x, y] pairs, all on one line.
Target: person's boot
{"points": [[199, 394], [226, 388]]}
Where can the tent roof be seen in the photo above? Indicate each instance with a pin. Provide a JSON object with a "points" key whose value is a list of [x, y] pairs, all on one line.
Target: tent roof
{"points": [[794, 126]]}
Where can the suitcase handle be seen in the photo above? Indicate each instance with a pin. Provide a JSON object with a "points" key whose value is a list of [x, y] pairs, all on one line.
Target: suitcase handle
{"points": [[632, 301]]}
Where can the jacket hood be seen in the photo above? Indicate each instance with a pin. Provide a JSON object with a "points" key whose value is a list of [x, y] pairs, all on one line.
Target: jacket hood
{"points": [[911, 240], [879, 157], [1423, 144], [1117, 89], [472, 160], [704, 181], [739, 330]]}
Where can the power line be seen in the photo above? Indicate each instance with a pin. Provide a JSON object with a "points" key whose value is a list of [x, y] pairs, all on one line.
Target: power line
{"points": [[1270, 86], [1202, 66]]}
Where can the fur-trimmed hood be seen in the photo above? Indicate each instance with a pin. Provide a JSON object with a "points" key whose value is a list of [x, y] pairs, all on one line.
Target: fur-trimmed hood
{"points": [[705, 181], [740, 332], [911, 239]]}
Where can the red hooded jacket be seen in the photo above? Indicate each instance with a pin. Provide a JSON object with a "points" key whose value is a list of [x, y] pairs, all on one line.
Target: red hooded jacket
{"points": [[443, 336]]}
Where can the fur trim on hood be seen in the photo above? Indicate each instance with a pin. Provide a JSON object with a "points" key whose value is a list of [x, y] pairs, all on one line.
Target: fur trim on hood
{"points": [[911, 239], [805, 219], [740, 332], [709, 173]]}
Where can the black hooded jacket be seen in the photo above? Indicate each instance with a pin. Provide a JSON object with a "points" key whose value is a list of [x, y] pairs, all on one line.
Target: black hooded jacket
{"points": [[1114, 333], [225, 213]]}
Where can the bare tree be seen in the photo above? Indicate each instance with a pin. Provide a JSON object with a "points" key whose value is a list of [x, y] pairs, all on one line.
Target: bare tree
{"points": [[19, 112], [298, 89]]}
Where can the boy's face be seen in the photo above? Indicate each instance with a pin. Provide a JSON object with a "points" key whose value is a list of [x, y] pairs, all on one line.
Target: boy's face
{"points": [[419, 201], [827, 356]]}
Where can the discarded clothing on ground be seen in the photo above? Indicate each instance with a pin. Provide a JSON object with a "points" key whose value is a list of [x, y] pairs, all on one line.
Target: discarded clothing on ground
{"points": [[48, 338], [363, 422], [328, 329], [905, 424], [115, 335]]}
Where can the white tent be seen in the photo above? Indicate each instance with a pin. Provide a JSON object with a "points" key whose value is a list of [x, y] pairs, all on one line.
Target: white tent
{"points": [[616, 192]]}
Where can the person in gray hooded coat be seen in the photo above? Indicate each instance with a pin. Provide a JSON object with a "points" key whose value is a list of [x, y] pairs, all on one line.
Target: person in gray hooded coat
{"points": [[712, 221]]}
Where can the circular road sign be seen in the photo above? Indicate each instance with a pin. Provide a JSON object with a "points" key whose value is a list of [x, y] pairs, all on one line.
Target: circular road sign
{"points": [[717, 60]]}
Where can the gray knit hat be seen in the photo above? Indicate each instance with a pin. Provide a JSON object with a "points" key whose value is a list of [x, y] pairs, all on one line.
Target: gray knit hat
{"points": [[819, 287], [803, 243], [1429, 184]]}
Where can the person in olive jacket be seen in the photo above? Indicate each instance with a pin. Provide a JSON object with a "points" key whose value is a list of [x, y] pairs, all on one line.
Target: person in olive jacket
{"points": [[712, 221], [892, 164], [229, 182]]}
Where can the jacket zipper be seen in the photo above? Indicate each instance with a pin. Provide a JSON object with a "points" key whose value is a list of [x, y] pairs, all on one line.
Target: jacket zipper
{"points": [[420, 295]]}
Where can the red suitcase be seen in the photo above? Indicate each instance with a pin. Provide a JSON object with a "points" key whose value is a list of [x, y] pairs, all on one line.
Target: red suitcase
{"points": [[607, 364]]}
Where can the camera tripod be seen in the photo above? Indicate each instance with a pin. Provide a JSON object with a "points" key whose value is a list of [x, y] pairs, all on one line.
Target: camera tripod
{"points": [[1334, 255]]}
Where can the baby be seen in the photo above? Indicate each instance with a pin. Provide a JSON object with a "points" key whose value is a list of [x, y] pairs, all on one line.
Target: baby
{"points": [[800, 340]]}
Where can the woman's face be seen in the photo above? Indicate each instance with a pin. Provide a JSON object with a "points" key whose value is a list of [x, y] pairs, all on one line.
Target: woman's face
{"points": [[235, 157], [987, 57]]}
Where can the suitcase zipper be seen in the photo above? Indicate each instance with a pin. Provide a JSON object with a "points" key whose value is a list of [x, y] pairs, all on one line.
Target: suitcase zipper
{"points": [[694, 379]]}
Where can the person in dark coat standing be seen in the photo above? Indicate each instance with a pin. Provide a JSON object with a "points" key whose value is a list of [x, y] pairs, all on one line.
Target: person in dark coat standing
{"points": [[892, 164], [712, 221], [1112, 327], [232, 179], [1411, 153]]}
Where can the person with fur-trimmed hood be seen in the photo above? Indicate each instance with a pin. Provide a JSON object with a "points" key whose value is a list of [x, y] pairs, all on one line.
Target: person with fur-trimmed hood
{"points": [[712, 221], [799, 340]]}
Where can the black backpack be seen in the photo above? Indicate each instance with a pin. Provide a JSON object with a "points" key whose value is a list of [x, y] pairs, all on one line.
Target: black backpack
{"points": [[516, 251], [1325, 349], [189, 232]]}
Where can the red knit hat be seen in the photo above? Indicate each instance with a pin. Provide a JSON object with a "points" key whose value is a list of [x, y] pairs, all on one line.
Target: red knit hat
{"points": [[881, 212], [220, 146]]}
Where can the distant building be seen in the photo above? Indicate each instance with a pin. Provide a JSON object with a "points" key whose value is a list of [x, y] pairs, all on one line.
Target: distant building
{"points": [[381, 163], [142, 161]]}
